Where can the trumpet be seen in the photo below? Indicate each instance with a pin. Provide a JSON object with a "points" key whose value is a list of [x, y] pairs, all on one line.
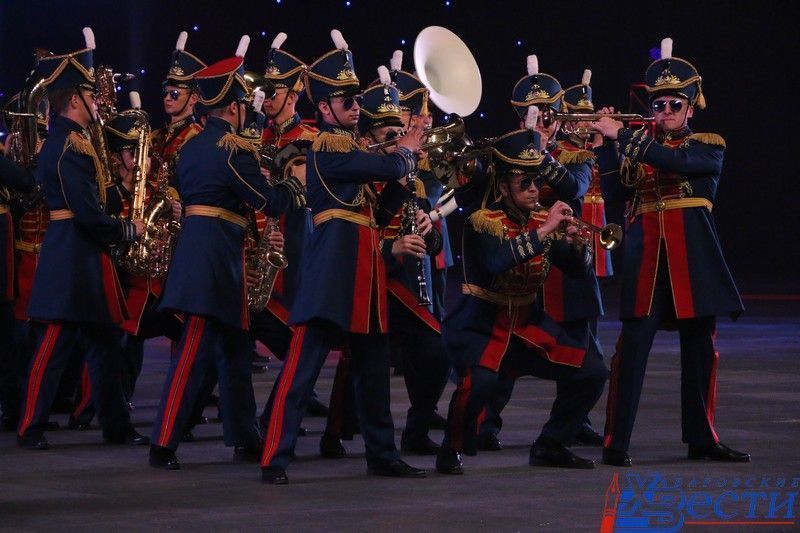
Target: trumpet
{"points": [[436, 137], [549, 116], [610, 235]]}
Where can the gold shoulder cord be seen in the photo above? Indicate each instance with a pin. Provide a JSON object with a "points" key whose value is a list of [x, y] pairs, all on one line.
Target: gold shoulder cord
{"points": [[357, 201]]}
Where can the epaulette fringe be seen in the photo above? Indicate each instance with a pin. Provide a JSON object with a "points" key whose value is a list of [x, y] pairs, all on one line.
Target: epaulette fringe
{"points": [[333, 142], [708, 138], [232, 142], [483, 223], [577, 157], [83, 146]]}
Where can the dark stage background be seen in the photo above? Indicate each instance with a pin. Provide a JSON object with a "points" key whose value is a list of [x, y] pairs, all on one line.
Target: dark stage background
{"points": [[745, 51]]}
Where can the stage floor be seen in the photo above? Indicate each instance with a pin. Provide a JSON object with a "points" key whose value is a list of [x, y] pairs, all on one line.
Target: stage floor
{"points": [[81, 485]]}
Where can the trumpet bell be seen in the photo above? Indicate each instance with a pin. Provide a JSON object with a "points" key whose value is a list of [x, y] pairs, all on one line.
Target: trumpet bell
{"points": [[611, 236], [448, 69]]}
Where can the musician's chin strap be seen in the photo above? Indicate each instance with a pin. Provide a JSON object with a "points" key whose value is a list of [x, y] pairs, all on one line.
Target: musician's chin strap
{"points": [[92, 118]]}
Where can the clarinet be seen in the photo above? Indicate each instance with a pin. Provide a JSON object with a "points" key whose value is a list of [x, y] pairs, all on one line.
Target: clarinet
{"points": [[411, 208]]}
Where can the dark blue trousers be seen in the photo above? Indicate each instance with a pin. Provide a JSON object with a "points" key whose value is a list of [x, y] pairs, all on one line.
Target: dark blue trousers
{"points": [[55, 343], [370, 369], [578, 389], [698, 370], [207, 343]]}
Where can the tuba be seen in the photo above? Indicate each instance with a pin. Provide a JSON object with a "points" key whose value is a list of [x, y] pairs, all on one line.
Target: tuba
{"points": [[150, 254]]}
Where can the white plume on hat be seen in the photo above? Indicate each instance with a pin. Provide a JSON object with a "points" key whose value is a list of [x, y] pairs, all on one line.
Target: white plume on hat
{"points": [[338, 40], [383, 75], [278, 41], [244, 43], [136, 101], [533, 65], [396, 63], [587, 77], [258, 99], [666, 48], [180, 44], [88, 36], [531, 117]]}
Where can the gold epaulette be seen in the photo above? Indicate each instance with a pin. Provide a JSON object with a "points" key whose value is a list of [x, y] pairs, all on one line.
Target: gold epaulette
{"points": [[488, 221], [80, 144], [573, 156], [307, 133], [334, 142], [708, 138], [420, 188], [424, 164], [232, 142]]}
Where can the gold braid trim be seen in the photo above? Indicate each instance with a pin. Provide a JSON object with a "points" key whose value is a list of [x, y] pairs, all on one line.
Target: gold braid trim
{"points": [[424, 164], [483, 223], [232, 142], [577, 157], [420, 188], [708, 138], [83, 146], [307, 134], [333, 142]]}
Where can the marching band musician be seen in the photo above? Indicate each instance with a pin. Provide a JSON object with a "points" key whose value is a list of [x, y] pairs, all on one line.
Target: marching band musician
{"points": [[342, 297], [76, 292], [670, 278], [414, 328], [497, 327], [572, 301], [217, 174]]}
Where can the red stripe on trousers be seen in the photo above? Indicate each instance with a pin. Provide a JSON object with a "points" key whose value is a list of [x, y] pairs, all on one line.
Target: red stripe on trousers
{"points": [[553, 294], [115, 299], [86, 391], [493, 353], [459, 412], [613, 391], [275, 426], [277, 309], [181, 376], [651, 236], [362, 287], [43, 355], [675, 237], [410, 302]]}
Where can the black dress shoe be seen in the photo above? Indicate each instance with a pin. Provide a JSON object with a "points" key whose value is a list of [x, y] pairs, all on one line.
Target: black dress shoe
{"points": [[187, 437], [419, 445], [302, 432], [448, 461], [274, 476], [614, 457], [9, 422], [396, 468], [130, 437], [33, 443], [588, 437], [488, 442], [316, 408], [717, 452], [258, 364], [165, 458], [330, 447], [549, 452]]}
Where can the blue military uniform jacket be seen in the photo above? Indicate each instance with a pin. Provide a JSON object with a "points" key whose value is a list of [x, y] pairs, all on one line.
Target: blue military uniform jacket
{"points": [[217, 174], [76, 279], [675, 181], [504, 265], [343, 279]]}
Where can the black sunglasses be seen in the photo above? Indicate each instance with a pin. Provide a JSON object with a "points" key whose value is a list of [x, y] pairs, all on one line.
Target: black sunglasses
{"points": [[530, 179], [661, 105], [173, 94], [349, 101]]}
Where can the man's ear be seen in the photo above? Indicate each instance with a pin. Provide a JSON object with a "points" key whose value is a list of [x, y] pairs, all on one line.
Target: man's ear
{"points": [[690, 111], [193, 97], [323, 107], [503, 188]]}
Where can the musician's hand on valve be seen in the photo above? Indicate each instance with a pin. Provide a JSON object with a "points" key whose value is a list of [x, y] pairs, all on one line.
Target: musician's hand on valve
{"points": [[412, 140], [139, 225], [413, 245], [250, 277], [557, 214], [424, 224], [265, 172], [276, 241], [607, 126]]}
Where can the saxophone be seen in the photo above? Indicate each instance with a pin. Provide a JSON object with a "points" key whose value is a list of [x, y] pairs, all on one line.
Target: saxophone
{"points": [[105, 83], [265, 263]]}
